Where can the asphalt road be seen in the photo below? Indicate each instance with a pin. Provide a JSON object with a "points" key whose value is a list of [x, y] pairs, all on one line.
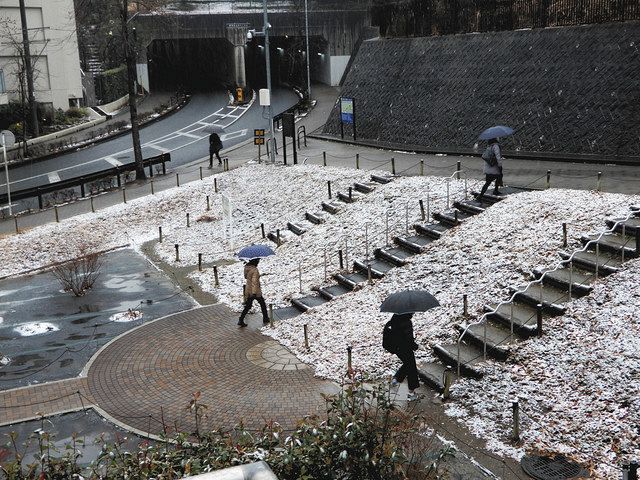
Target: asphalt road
{"points": [[184, 134]]}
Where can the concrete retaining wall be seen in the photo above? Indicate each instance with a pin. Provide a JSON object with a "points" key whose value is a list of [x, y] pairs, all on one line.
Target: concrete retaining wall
{"points": [[566, 91]]}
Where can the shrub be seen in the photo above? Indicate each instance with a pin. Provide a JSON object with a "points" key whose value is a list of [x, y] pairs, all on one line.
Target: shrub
{"points": [[78, 275]]}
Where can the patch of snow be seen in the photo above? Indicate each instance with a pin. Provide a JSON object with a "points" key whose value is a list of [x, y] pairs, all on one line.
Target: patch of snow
{"points": [[35, 328], [128, 316]]}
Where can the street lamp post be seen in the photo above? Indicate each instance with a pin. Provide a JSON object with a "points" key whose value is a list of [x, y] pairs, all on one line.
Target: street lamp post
{"points": [[306, 23]]}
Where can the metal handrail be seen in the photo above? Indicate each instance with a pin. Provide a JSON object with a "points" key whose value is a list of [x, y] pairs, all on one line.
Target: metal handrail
{"points": [[302, 129], [539, 280]]}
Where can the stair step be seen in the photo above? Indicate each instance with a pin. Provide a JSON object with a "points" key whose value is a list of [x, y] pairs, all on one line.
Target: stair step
{"points": [[497, 338], [351, 280], [449, 218], [364, 187], [344, 196], [432, 373], [613, 243], [608, 262], [414, 243], [296, 228], [285, 313], [315, 217], [470, 357], [525, 318], [471, 207], [306, 303], [631, 225], [551, 298], [331, 207], [379, 268], [433, 230], [333, 291], [382, 179], [396, 255], [580, 280]]}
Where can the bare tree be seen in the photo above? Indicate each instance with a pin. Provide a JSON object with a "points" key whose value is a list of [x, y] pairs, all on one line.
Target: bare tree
{"points": [[80, 274]]}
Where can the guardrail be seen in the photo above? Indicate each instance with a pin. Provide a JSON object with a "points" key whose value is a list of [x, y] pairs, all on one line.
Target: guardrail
{"points": [[84, 179]]}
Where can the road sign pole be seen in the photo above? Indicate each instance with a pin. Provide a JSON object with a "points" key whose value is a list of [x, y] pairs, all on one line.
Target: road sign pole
{"points": [[6, 171]]}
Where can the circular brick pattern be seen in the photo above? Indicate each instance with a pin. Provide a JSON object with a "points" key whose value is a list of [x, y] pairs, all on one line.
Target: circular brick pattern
{"points": [[150, 375], [272, 355]]}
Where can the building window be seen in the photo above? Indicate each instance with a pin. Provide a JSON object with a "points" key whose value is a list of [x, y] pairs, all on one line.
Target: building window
{"points": [[2, 87]]}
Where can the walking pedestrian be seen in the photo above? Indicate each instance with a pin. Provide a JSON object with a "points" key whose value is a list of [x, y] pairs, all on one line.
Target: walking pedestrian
{"points": [[215, 145], [398, 338], [492, 168], [253, 292]]}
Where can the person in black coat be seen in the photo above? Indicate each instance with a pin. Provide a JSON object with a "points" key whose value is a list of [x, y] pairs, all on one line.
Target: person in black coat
{"points": [[215, 145], [405, 345]]}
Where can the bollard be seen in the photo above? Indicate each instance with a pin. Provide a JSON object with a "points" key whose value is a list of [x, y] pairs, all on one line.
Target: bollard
{"points": [[340, 259], [188, 223], [539, 318], [306, 336], [216, 279], [15, 220], [357, 161], [447, 383], [324, 159], [564, 234], [278, 237], [208, 203], [350, 193], [200, 173], [329, 188], [393, 165], [159, 234], [349, 359], [262, 229], [465, 305], [55, 210], [548, 178], [215, 185], [93, 208], [516, 420], [177, 179], [152, 189], [177, 247], [300, 276], [458, 167], [199, 262], [422, 168], [271, 315], [599, 181], [124, 195], [421, 210]]}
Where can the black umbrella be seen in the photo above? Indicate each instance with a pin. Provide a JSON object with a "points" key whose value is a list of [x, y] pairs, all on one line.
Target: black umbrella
{"points": [[409, 301]]}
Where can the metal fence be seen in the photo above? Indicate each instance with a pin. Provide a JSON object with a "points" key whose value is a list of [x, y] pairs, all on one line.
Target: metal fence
{"points": [[441, 17]]}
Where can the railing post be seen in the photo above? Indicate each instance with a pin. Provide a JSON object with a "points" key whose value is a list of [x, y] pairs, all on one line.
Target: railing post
{"points": [[598, 185], [539, 319], [393, 165], [152, 189], [366, 240], [177, 247], [200, 173], [448, 180], [571, 276], [516, 420], [422, 168], [208, 203], [55, 210], [349, 359], [465, 305], [421, 209], [177, 179], [93, 208], [306, 336], [216, 279], [357, 161], [346, 253], [350, 193], [215, 185], [262, 230], [271, 317], [324, 159], [159, 234], [428, 207], [386, 228], [325, 264], [458, 166], [447, 383], [564, 234], [278, 237], [15, 221], [82, 191], [548, 178], [188, 222], [124, 194], [118, 176], [340, 260], [329, 188], [199, 262], [300, 276]]}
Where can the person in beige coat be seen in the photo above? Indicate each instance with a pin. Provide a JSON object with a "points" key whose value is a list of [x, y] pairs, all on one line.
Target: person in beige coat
{"points": [[253, 292]]}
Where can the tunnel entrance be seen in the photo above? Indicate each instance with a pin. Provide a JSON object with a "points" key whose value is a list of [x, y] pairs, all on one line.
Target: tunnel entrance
{"points": [[194, 65]]}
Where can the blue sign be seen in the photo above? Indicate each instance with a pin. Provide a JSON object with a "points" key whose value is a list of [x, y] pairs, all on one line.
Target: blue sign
{"points": [[346, 110]]}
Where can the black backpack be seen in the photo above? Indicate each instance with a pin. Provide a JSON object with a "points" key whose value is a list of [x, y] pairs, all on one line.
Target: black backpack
{"points": [[489, 156], [389, 339]]}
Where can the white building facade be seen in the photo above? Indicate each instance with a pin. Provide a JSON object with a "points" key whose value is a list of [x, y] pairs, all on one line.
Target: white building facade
{"points": [[54, 51]]}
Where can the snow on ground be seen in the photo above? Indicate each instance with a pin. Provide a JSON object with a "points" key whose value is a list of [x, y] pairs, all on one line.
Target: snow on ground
{"points": [[578, 383]]}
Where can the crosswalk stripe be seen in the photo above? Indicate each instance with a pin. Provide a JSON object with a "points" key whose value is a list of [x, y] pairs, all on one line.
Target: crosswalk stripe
{"points": [[160, 149], [190, 135], [53, 177], [113, 161]]}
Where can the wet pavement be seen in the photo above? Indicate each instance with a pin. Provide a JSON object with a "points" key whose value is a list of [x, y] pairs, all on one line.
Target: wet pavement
{"points": [[48, 334]]}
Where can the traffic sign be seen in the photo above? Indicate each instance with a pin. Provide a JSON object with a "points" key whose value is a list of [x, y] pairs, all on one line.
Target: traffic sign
{"points": [[7, 138]]}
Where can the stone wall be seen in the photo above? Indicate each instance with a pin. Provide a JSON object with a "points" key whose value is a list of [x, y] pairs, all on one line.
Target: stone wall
{"points": [[566, 91]]}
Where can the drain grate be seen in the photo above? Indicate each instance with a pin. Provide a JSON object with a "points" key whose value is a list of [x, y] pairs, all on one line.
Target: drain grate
{"points": [[552, 468]]}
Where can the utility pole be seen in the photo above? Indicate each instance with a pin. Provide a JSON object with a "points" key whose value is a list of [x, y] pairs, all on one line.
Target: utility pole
{"points": [[306, 26], [29, 70], [272, 151]]}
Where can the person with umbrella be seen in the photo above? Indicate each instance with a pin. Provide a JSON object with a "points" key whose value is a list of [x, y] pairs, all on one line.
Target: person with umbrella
{"points": [[492, 157], [253, 290], [397, 336]]}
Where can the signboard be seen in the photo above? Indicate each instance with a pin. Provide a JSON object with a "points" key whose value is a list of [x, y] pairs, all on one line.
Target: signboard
{"points": [[288, 125], [346, 110], [258, 136], [7, 138], [258, 141]]}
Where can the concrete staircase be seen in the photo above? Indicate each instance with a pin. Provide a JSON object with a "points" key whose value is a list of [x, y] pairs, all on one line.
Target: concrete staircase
{"points": [[517, 319]]}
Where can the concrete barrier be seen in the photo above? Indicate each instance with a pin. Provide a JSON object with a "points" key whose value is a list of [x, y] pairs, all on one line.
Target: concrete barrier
{"points": [[114, 106], [61, 133]]}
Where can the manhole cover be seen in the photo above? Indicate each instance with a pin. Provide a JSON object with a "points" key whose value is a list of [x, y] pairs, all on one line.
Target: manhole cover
{"points": [[552, 468]]}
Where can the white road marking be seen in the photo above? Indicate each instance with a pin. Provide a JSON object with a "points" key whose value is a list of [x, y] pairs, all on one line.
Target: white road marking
{"points": [[190, 135], [160, 149], [53, 177], [113, 161], [232, 135]]}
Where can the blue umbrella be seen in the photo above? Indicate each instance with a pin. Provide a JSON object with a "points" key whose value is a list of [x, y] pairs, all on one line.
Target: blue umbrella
{"points": [[255, 251], [496, 132]]}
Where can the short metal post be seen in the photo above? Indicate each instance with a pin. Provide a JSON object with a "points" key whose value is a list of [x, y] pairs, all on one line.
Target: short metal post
{"points": [[153, 192], [539, 319], [455, 217], [124, 194], [177, 247], [262, 230], [306, 336], [188, 222], [516, 420], [448, 180], [201, 173], [346, 253], [458, 167], [278, 237], [421, 210], [350, 193], [548, 178], [15, 221], [216, 279], [215, 185], [55, 210], [447, 383], [598, 185], [324, 159], [208, 203], [428, 207], [421, 168], [598, 258], [226, 161], [199, 262], [82, 190], [177, 179], [357, 161], [466, 189], [349, 359], [564, 234], [271, 315], [329, 188], [406, 218], [571, 276], [159, 234], [366, 240], [393, 165], [386, 228], [325, 264], [340, 259], [93, 208], [300, 276], [465, 305], [164, 167], [369, 273]]}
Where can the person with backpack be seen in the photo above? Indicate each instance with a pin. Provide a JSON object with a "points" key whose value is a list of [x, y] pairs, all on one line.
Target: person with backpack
{"points": [[492, 168], [215, 145], [397, 338]]}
